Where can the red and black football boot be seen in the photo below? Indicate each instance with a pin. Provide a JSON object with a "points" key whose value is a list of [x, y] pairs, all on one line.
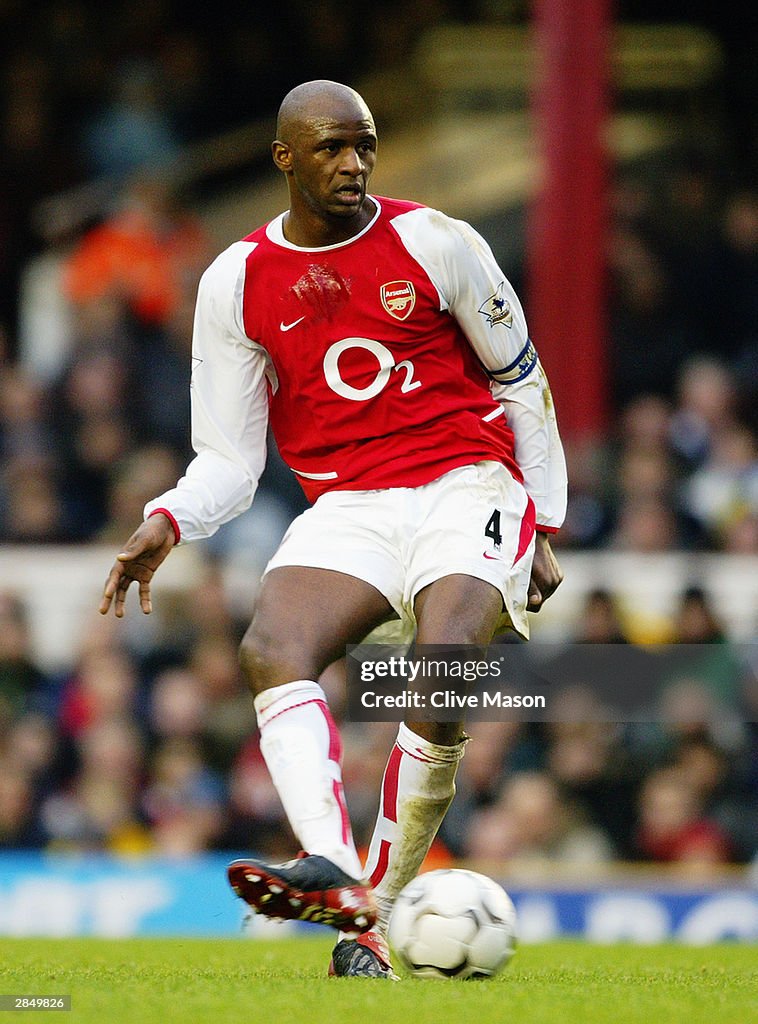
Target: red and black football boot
{"points": [[309, 888], [366, 956]]}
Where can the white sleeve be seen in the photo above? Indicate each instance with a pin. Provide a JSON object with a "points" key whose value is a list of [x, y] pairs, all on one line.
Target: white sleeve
{"points": [[474, 289], [229, 407]]}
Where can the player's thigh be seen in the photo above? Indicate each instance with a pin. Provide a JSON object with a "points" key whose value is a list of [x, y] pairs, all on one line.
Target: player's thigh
{"points": [[304, 618], [471, 561], [458, 609]]}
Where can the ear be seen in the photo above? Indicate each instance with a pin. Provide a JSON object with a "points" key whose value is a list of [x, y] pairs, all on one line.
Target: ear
{"points": [[282, 156]]}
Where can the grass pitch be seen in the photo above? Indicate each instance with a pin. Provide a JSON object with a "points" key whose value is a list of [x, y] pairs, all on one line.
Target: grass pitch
{"points": [[154, 981]]}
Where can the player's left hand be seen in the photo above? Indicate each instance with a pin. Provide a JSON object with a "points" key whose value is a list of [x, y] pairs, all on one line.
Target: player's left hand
{"points": [[546, 574], [145, 550]]}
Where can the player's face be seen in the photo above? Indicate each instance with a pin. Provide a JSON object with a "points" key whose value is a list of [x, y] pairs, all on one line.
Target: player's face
{"points": [[330, 162]]}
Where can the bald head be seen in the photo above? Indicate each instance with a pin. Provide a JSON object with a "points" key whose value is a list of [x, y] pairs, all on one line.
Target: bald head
{"points": [[314, 102], [326, 148]]}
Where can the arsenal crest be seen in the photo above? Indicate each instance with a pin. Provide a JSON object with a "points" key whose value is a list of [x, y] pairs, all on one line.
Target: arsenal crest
{"points": [[398, 298]]}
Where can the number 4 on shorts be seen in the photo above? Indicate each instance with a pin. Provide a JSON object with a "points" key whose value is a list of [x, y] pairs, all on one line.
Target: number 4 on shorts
{"points": [[492, 529]]}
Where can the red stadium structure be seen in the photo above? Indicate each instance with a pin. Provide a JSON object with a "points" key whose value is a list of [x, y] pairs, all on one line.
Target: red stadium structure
{"points": [[566, 258]]}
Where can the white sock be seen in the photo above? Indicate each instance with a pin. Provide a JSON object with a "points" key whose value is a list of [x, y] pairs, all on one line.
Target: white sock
{"points": [[417, 789], [303, 752]]}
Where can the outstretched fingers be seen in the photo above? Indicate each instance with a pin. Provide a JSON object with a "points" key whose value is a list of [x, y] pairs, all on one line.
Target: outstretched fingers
{"points": [[145, 600], [119, 580], [115, 587]]}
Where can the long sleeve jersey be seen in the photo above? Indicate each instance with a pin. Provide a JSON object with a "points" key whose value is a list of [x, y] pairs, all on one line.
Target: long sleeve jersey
{"points": [[382, 361]]}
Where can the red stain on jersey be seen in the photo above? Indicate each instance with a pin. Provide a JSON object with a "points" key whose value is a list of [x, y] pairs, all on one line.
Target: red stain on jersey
{"points": [[322, 290]]}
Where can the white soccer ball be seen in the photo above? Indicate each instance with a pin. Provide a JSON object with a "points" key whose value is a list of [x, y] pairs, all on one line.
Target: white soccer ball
{"points": [[453, 924]]}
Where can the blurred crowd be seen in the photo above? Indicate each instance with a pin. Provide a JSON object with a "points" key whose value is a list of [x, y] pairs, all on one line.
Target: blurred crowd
{"points": [[89, 89], [154, 749]]}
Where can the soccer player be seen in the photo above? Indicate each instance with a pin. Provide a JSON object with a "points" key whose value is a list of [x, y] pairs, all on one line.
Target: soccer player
{"points": [[391, 356]]}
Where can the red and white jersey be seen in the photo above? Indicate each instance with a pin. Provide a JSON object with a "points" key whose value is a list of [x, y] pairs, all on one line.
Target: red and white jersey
{"points": [[383, 361]]}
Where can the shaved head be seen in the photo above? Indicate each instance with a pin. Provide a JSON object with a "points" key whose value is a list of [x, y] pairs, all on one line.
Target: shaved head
{"points": [[314, 102], [325, 146]]}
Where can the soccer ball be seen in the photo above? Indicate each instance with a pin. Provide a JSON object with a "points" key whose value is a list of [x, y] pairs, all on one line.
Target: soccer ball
{"points": [[453, 924]]}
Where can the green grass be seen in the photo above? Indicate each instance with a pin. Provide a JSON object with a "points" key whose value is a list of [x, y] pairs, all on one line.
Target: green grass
{"points": [[157, 981]]}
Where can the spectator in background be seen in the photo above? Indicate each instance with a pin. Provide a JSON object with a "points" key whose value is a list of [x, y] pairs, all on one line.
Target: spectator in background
{"points": [[722, 494], [20, 827], [133, 128], [533, 823], [177, 705], [642, 319], [482, 774], [644, 424], [230, 717], [705, 407], [21, 680], [149, 254], [37, 159], [646, 524], [162, 391], [589, 513], [592, 764], [30, 501], [33, 510], [650, 515], [183, 800], [600, 620], [716, 666], [672, 826], [24, 428], [722, 784], [257, 816], [94, 424], [131, 482], [696, 621], [103, 688], [739, 272], [98, 809], [33, 746]]}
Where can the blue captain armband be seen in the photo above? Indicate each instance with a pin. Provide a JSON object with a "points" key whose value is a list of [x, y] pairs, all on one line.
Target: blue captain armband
{"points": [[521, 366]]}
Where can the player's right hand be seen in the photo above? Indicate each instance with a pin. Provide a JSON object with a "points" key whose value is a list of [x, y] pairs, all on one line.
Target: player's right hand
{"points": [[145, 550]]}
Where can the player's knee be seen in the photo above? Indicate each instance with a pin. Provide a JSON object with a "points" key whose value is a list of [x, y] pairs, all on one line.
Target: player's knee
{"points": [[268, 660], [257, 659]]}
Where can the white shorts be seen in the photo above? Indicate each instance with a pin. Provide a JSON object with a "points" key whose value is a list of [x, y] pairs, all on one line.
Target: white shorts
{"points": [[475, 520]]}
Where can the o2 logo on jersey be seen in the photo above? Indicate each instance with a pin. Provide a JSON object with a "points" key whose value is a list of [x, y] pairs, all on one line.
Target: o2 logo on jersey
{"points": [[387, 366], [398, 298]]}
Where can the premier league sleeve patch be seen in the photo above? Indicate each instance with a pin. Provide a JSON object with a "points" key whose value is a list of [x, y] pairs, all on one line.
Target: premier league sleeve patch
{"points": [[521, 366], [497, 309]]}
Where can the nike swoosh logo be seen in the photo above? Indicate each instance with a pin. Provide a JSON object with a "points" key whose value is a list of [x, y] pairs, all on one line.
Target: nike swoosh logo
{"points": [[288, 327], [492, 558]]}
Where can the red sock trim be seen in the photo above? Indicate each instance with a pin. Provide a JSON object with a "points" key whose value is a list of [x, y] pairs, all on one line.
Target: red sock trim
{"points": [[382, 862], [390, 784], [335, 743], [300, 704], [339, 796]]}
